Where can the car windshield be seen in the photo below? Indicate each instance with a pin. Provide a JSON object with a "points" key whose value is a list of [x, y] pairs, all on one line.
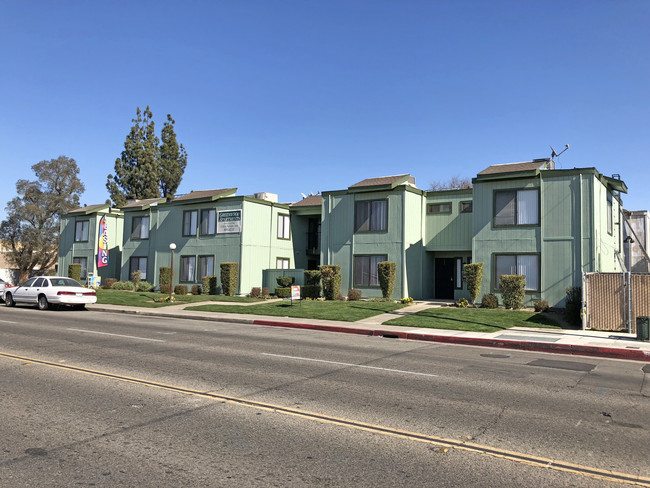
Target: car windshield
{"points": [[64, 282]]}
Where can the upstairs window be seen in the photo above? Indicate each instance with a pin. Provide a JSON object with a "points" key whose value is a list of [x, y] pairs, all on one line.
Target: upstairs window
{"points": [[466, 207], [81, 231], [284, 227], [189, 223], [371, 216], [208, 222], [439, 208], [140, 228], [516, 207]]}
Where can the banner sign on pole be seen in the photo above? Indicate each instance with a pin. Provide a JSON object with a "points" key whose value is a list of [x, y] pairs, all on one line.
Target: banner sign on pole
{"points": [[295, 293], [102, 246]]}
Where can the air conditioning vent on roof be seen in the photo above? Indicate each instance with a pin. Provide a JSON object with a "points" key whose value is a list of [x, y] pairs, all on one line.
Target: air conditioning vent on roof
{"points": [[269, 197]]}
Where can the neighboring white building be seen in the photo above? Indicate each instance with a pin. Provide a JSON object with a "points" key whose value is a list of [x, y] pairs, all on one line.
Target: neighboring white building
{"points": [[639, 221]]}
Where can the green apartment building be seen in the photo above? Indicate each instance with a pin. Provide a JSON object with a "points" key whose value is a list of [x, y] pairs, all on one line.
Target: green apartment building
{"points": [[548, 224]]}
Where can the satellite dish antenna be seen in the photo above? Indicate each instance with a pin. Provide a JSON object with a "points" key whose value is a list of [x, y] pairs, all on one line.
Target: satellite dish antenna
{"points": [[555, 154], [303, 195]]}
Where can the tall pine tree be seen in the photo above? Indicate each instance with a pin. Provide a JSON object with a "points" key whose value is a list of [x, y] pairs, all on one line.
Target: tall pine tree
{"points": [[173, 160]]}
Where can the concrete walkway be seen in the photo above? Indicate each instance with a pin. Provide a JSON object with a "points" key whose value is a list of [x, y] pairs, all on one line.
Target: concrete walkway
{"points": [[562, 341]]}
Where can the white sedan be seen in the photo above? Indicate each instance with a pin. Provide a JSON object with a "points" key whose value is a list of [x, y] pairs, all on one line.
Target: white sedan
{"points": [[44, 291]]}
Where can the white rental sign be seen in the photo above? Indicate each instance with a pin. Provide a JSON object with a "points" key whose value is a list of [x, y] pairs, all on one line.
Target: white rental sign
{"points": [[229, 222]]}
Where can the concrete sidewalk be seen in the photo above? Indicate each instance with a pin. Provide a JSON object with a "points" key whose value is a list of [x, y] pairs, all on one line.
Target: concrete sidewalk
{"points": [[618, 345]]}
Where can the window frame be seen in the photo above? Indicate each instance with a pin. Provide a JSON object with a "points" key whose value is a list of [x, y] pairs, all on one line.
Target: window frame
{"points": [[133, 227], [495, 278], [462, 210], [199, 268], [192, 231], [357, 227], [84, 268], [516, 209], [280, 258], [355, 283], [213, 211], [138, 268], [76, 225], [439, 212], [284, 225], [182, 269], [610, 213]]}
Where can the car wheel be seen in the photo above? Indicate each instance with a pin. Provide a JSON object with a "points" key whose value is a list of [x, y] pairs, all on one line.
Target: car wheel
{"points": [[9, 300], [80, 307], [42, 303]]}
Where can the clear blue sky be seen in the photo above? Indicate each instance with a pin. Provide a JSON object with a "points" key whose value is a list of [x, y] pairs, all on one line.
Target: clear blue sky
{"points": [[294, 96]]}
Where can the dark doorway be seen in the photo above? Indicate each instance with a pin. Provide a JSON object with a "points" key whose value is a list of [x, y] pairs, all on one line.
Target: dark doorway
{"points": [[444, 270]]}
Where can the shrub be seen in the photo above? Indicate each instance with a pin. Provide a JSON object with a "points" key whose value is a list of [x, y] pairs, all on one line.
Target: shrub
{"points": [[331, 278], [354, 295], [136, 277], [256, 292], [406, 301], [312, 277], [310, 291], [165, 279], [74, 271], [180, 290], [512, 289], [489, 300], [196, 289], [229, 278], [386, 275], [283, 292], [284, 281], [462, 303], [473, 277], [108, 283], [540, 305], [266, 292], [209, 285], [573, 304], [341, 297], [143, 286], [123, 285]]}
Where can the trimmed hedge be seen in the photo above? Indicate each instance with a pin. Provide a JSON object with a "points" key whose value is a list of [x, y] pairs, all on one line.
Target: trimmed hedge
{"points": [[143, 286], [473, 277], [122, 285], [256, 292], [489, 300], [283, 292], [209, 285], [285, 281], [386, 275], [108, 283], [512, 289], [312, 277], [196, 289], [229, 278], [165, 279], [310, 291], [74, 271], [354, 295], [331, 278], [180, 290]]}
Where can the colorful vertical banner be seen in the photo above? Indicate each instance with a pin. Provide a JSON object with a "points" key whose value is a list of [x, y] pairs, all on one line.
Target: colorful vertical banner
{"points": [[102, 246]]}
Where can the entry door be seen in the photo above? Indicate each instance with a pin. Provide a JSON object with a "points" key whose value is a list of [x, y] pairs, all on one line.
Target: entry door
{"points": [[444, 282]]}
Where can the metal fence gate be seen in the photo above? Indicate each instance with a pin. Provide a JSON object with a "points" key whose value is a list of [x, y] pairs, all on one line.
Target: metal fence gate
{"points": [[613, 301]]}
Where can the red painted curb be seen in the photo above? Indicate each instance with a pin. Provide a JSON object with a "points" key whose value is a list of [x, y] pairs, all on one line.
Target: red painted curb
{"points": [[603, 352]]}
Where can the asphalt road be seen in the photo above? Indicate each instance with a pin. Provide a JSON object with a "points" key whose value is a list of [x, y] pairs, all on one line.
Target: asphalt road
{"points": [[98, 399]]}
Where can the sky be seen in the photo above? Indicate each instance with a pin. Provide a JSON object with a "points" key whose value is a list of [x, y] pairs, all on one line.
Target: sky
{"points": [[300, 96]]}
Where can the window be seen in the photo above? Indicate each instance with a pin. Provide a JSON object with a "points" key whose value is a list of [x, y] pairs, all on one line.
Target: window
{"points": [[610, 219], [371, 216], [516, 207], [466, 207], [208, 222], [439, 208], [189, 223], [522, 264], [282, 263], [188, 268], [140, 228], [206, 266], [138, 264], [81, 231], [365, 270], [459, 273], [284, 228], [84, 266]]}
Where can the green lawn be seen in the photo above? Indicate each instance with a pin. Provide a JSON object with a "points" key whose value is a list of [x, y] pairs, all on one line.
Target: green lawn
{"points": [[140, 299], [474, 319], [309, 309]]}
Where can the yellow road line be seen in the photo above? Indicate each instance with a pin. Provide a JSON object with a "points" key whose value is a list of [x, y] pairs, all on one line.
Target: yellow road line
{"points": [[518, 457]]}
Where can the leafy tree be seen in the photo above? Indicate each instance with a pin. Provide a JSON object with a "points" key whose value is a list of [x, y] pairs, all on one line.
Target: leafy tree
{"points": [[454, 183], [31, 230], [173, 160], [137, 172]]}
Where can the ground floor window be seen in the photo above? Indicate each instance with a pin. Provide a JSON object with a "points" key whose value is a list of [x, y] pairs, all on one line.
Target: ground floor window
{"points": [[206, 266], [365, 270], [282, 263], [188, 268], [138, 264], [84, 266], [521, 264]]}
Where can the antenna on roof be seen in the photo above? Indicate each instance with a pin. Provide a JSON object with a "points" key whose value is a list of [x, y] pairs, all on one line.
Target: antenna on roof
{"points": [[555, 154]]}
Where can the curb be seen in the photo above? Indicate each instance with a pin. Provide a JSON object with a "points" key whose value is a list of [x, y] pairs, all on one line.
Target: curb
{"points": [[571, 349]]}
